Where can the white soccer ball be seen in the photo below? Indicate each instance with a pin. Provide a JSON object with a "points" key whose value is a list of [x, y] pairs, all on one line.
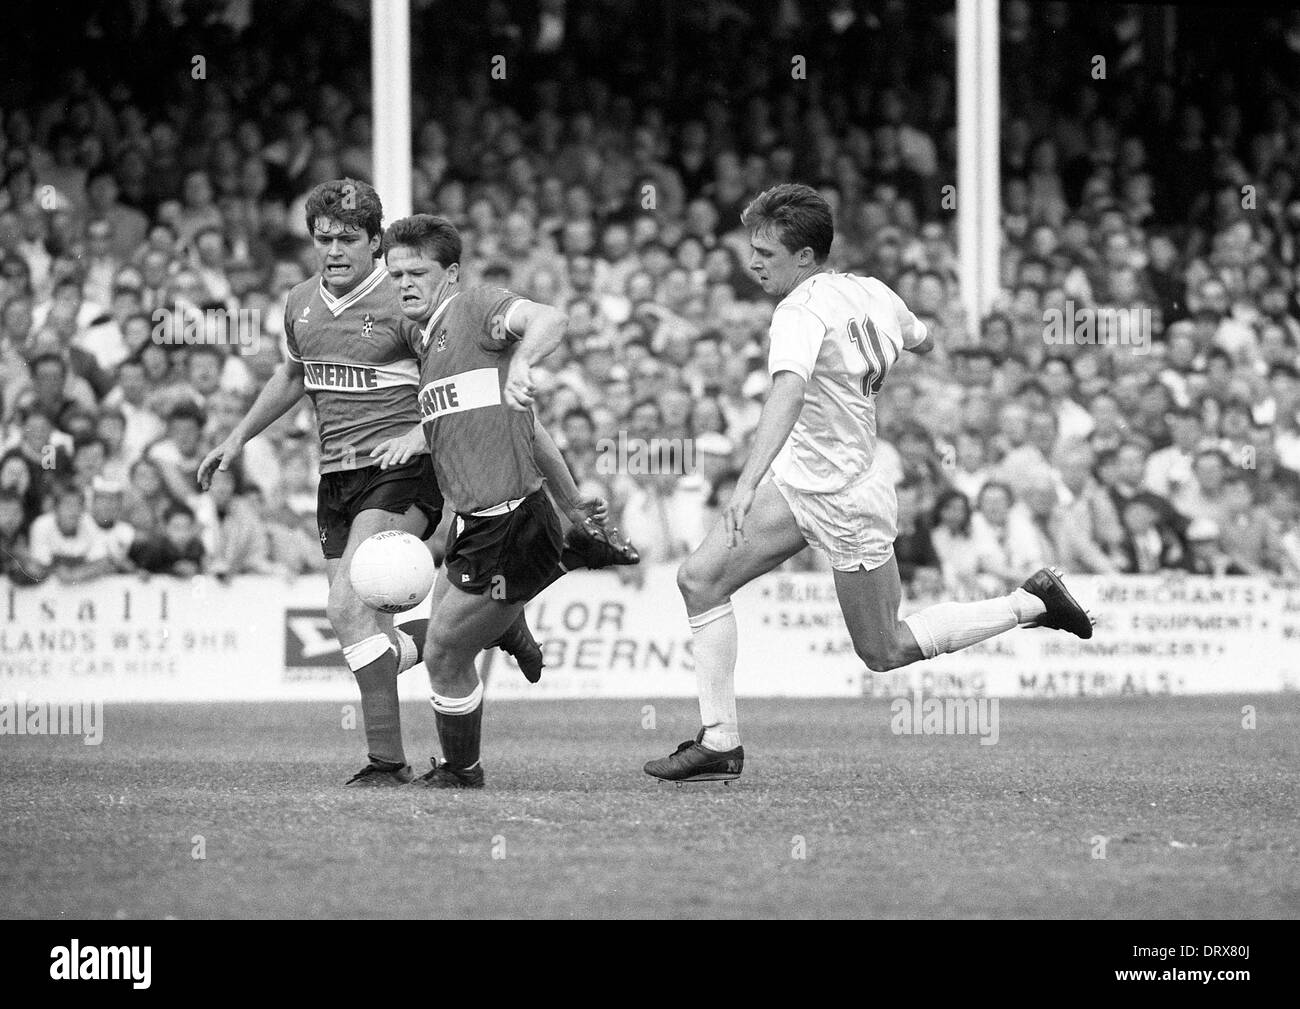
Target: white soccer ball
{"points": [[392, 571]]}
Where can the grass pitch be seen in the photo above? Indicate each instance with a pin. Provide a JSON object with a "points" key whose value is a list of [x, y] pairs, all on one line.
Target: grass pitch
{"points": [[1195, 816]]}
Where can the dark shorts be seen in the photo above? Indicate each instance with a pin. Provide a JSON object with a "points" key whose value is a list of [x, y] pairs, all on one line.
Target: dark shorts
{"points": [[347, 493], [511, 556]]}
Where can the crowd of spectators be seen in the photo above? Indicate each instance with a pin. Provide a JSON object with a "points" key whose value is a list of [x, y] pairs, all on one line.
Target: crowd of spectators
{"points": [[603, 170]]}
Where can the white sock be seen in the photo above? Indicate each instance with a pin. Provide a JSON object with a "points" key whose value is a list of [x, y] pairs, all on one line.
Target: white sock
{"points": [[407, 656], [950, 627], [363, 652], [458, 705], [713, 646]]}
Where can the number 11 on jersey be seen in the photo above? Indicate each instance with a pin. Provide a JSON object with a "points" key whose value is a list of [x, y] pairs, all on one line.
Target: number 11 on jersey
{"points": [[873, 352]]}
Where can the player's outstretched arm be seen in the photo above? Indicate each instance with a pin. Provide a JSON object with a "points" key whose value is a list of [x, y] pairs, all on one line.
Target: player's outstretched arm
{"points": [[540, 329], [560, 481], [276, 399], [774, 426]]}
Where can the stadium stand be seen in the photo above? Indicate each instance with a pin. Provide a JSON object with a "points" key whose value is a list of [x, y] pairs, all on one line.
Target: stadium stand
{"points": [[605, 174]]}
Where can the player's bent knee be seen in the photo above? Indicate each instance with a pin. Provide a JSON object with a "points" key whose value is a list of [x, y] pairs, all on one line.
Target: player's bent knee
{"points": [[696, 585], [442, 649], [347, 614], [340, 615]]}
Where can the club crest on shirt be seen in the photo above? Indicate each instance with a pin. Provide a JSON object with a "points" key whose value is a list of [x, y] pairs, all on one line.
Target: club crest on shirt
{"points": [[441, 344], [367, 325]]}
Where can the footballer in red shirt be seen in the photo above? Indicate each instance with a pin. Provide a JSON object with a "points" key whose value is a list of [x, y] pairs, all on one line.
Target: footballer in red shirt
{"points": [[477, 348]]}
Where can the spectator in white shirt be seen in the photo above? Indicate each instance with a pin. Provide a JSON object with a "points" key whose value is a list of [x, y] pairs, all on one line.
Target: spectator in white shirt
{"points": [[959, 552], [130, 398], [1169, 470], [1013, 546], [66, 542], [106, 498], [968, 472]]}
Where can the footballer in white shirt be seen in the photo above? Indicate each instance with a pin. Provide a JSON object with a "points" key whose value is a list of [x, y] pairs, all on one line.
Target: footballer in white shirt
{"points": [[811, 480]]}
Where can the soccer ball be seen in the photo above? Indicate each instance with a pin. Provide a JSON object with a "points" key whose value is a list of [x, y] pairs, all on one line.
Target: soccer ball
{"points": [[392, 571]]}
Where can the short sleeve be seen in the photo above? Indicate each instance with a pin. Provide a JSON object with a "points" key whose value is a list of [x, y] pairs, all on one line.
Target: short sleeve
{"points": [[290, 341], [910, 327], [494, 305], [796, 340]]}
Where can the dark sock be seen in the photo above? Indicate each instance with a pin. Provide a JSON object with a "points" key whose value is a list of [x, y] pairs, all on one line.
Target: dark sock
{"points": [[460, 737], [380, 709], [571, 559]]}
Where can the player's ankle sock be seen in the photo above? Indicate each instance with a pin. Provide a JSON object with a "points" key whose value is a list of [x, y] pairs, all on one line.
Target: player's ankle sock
{"points": [[950, 627], [409, 639], [374, 663], [571, 560], [460, 727], [713, 645]]}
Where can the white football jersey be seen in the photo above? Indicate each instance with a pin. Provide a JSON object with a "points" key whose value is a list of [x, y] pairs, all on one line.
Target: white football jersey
{"points": [[841, 333]]}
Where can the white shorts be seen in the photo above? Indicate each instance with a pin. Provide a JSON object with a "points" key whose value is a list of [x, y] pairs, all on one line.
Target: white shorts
{"points": [[854, 527]]}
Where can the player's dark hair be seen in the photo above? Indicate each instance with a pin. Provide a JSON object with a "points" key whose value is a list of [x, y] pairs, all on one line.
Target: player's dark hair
{"points": [[348, 201], [796, 214], [435, 237]]}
